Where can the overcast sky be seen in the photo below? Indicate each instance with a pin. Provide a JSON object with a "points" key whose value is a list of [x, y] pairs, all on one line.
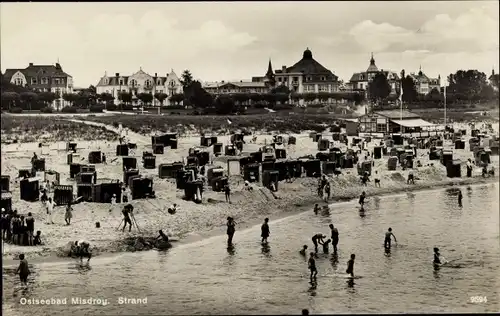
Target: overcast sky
{"points": [[234, 40]]}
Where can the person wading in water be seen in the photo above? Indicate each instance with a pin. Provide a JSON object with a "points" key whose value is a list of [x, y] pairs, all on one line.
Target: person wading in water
{"points": [[265, 230], [318, 239], [335, 237], [230, 230], [312, 266]]}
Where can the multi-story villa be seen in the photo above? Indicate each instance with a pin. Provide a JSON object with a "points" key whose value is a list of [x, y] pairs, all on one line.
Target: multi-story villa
{"points": [[140, 82], [360, 80], [43, 78], [424, 84]]}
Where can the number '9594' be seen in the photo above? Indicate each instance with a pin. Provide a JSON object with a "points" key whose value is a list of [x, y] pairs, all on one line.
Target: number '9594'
{"points": [[478, 299]]}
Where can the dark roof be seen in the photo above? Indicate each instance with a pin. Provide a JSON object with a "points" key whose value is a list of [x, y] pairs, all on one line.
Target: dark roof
{"points": [[357, 75], [372, 67], [396, 114], [38, 70], [114, 81], [309, 66]]}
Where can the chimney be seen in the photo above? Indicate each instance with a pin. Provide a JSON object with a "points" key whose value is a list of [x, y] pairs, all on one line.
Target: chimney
{"points": [[31, 64], [156, 74], [222, 81], [117, 74], [283, 68]]}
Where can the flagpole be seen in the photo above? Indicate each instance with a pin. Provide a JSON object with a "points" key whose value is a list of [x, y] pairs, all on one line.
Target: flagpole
{"points": [[445, 106]]}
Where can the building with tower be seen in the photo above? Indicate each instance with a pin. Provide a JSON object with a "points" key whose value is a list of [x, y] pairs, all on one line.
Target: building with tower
{"points": [[359, 81], [424, 84]]}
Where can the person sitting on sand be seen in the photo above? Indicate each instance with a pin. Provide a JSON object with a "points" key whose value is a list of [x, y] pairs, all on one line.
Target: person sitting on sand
{"points": [[162, 236], [37, 241], [411, 178], [172, 209]]}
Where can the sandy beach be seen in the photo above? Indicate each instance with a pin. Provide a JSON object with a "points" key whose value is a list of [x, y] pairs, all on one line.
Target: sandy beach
{"points": [[193, 221]]}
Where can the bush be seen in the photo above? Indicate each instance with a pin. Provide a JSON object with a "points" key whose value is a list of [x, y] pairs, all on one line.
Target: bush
{"points": [[46, 109], [16, 110], [98, 108], [278, 107], [69, 109], [111, 107]]}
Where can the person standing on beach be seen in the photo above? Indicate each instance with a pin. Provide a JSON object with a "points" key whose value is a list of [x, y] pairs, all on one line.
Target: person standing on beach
{"points": [[265, 230], [335, 237], [50, 208], [230, 230], [23, 270], [469, 168], [30, 227], [68, 215], [460, 197], [227, 192], [126, 217]]}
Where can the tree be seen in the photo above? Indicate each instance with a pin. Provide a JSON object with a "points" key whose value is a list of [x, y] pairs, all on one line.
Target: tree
{"points": [[255, 97], [295, 96], [487, 93], [467, 85], [324, 96], [240, 98], [177, 98], [186, 78], [379, 88], [409, 90], [145, 98], [224, 104], [282, 98], [70, 97], [125, 97], [311, 96], [11, 98], [105, 97], [358, 97], [47, 97], [281, 89], [434, 96], [161, 97], [196, 96], [29, 98]]}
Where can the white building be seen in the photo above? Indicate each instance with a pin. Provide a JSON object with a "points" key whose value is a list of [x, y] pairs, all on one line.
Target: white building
{"points": [[232, 87], [140, 82], [424, 84], [360, 80]]}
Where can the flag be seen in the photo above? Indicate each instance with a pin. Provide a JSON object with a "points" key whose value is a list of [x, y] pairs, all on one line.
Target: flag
{"points": [[229, 121]]}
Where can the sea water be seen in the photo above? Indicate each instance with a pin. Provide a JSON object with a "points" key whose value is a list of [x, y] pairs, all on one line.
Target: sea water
{"points": [[206, 277]]}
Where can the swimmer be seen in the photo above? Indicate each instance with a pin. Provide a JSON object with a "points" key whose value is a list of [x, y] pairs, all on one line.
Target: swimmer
{"points": [[303, 250], [387, 240], [23, 270], [362, 198], [318, 239], [350, 265], [312, 266], [438, 259]]}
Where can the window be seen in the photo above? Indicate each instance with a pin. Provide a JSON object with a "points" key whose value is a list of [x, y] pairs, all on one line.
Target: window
{"points": [[295, 78], [58, 92], [323, 88], [381, 128], [279, 79], [44, 80], [284, 79], [105, 81], [34, 81], [148, 83], [133, 82], [120, 82], [158, 82], [323, 78], [309, 78], [56, 81], [171, 83]]}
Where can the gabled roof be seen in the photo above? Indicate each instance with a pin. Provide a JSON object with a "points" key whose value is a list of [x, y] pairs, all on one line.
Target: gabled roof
{"points": [[239, 84], [38, 71], [396, 114]]}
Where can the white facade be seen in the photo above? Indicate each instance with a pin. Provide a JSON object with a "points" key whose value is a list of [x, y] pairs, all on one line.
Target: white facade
{"points": [[140, 82]]}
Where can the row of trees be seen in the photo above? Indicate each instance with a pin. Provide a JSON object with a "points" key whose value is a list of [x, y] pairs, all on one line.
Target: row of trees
{"points": [[463, 86]]}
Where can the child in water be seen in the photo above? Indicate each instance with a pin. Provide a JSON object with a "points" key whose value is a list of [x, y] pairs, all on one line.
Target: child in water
{"points": [[303, 251], [325, 245], [438, 259], [312, 266], [387, 241], [23, 270], [350, 265]]}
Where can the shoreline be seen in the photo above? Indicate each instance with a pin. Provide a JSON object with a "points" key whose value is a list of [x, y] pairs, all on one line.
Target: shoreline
{"points": [[304, 204]]}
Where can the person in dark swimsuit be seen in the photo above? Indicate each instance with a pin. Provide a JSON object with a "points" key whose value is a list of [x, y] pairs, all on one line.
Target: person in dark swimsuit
{"points": [[437, 257], [387, 240], [350, 265], [126, 217], [162, 236], [30, 228], [230, 230], [23, 270], [265, 230], [303, 250], [335, 237], [362, 198], [37, 239], [318, 239], [227, 192], [312, 266], [460, 197], [326, 245]]}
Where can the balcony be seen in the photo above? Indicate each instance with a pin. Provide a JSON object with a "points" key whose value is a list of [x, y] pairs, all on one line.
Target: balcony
{"points": [[295, 83], [148, 87]]}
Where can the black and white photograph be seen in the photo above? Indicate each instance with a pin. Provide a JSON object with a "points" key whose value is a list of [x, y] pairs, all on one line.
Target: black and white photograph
{"points": [[250, 158]]}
